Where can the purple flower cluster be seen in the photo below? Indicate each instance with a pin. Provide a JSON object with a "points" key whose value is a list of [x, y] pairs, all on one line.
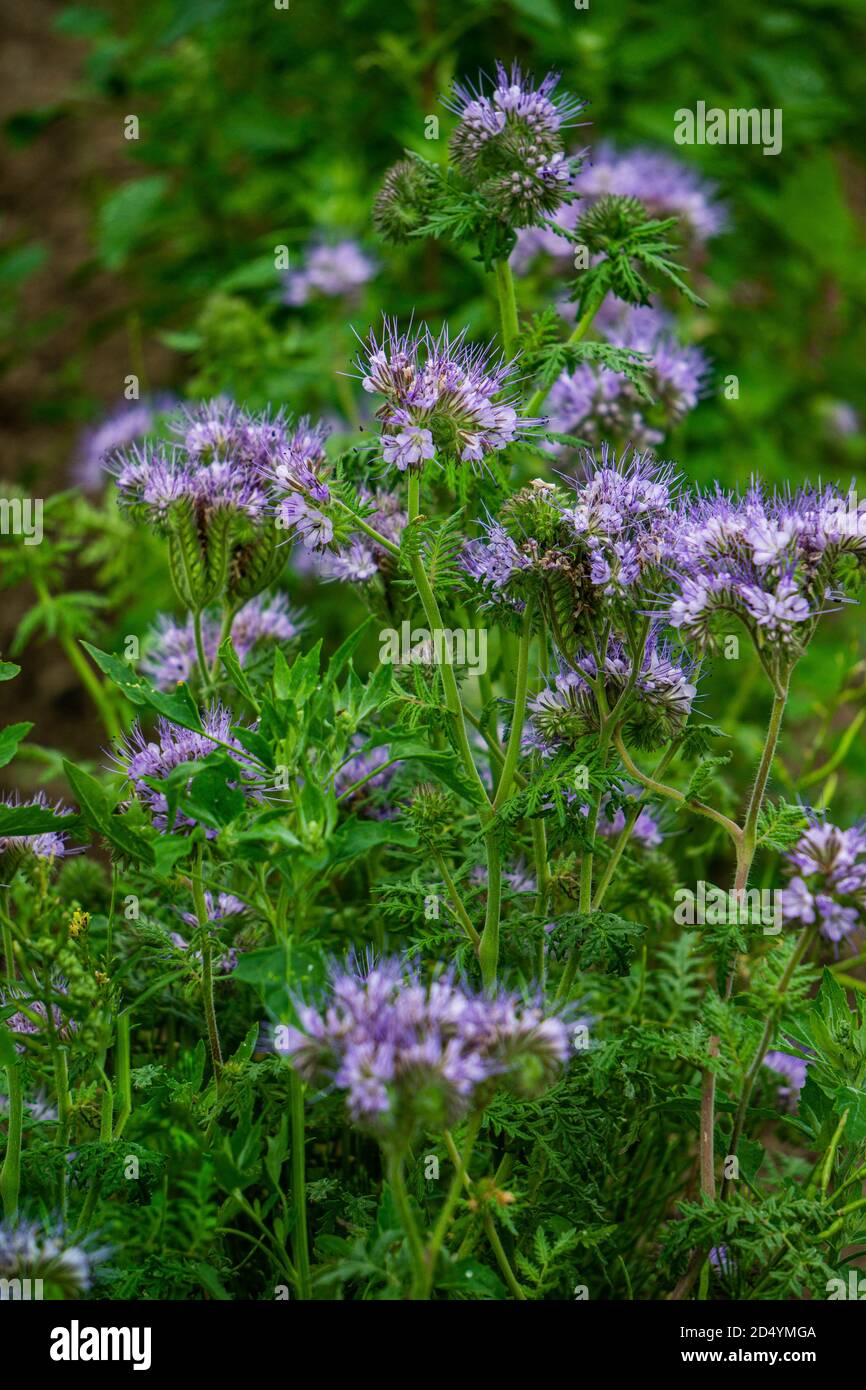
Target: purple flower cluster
{"points": [[509, 142], [171, 654], [128, 422], [214, 466], [794, 1071], [659, 701], [360, 559], [138, 757], [598, 404], [440, 397], [219, 911], [331, 271], [31, 1251], [31, 1018], [769, 559], [828, 880], [666, 186], [365, 763], [49, 844], [413, 1053]]}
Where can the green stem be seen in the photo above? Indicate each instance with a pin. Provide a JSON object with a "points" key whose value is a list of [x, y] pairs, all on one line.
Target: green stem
{"points": [[397, 1184], [456, 901], [507, 305], [300, 1237], [512, 751], [206, 967], [804, 941], [203, 670], [10, 1174], [536, 401], [461, 1174], [122, 1072]]}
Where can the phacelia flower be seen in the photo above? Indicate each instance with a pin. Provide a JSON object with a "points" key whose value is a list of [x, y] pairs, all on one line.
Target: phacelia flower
{"points": [[332, 271], [827, 869], [31, 1017], [443, 398], [658, 705], [369, 764], [794, 1070], [597, 404], [666, 186], [509, 143], [220, 909], [128, 422], [32, 1251], [776, 561], [139, 757], [413, 1053], [171, 650], [47, 844]]}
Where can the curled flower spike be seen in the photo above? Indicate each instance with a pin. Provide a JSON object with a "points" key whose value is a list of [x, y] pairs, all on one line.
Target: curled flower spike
{"points": [[509, 142], [412, 1053], [794, 1070], [827, 869], [442, 397], [138, 757], [658, 704], [775, 561]]}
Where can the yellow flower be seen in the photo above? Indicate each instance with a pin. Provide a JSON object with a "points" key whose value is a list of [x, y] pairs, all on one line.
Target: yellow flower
{"points": [[79, 923]]}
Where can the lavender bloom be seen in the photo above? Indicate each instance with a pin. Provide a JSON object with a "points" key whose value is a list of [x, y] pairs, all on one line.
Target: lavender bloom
{"points": [[646, 830], [49, 844], [413, 1053], [666, 186], [659, 703], [773, 560], [794, 1070], [597, 404], [333, 272], [219, 911], [217, 465], [828, 880], [40, 1109], [360, 559], [440, 397], [171, 656], [31, 1019], [362, 763], [510, 143], [138, 757], [720, 1259], [519, 878], [128, 422], [31, 1251]]}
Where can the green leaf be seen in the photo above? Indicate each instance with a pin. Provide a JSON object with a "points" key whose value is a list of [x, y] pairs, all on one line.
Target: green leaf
{"points": [[600, 939], [704, 775], [8, 670], [179, 707], [10, 737], [33, 820], [97, 813], [355, 837]]}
